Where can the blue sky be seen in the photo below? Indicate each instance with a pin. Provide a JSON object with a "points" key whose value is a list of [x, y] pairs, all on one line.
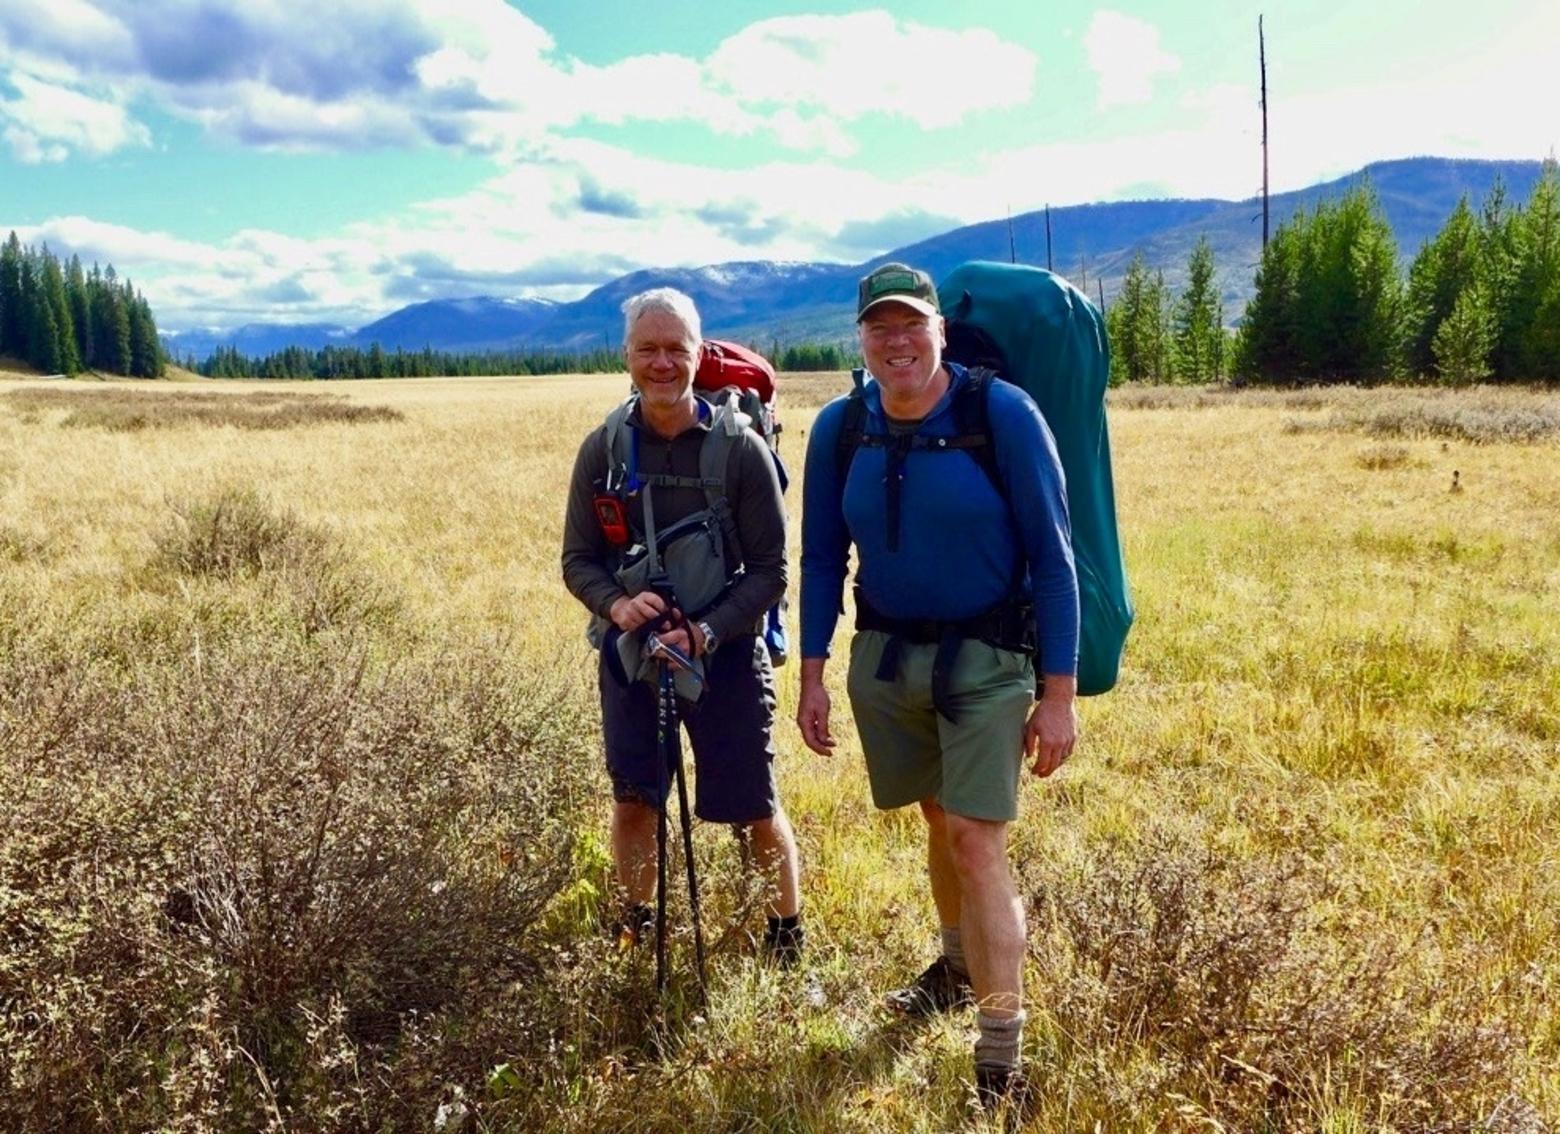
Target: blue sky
{"points": [[270, 160]]}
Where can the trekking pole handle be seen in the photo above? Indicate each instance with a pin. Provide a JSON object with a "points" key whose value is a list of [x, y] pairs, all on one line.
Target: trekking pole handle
{"points": [[660, 650]]}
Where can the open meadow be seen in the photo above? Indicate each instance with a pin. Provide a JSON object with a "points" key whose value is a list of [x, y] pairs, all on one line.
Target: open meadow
{"points": [[302, 820]]}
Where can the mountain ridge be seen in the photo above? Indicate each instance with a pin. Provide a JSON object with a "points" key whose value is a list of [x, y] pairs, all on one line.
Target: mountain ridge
{"points": [[767, 301]]}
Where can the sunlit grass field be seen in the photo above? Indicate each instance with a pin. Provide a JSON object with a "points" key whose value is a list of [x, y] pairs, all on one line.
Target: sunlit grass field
{"points": [[1300, 875]]}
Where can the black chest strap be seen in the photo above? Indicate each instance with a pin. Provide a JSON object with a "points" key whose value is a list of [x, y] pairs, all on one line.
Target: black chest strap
{"points": [[972, 435]]}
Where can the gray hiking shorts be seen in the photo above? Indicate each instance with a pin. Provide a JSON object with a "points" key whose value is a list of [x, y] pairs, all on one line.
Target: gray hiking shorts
{"points": [[731, 729]]}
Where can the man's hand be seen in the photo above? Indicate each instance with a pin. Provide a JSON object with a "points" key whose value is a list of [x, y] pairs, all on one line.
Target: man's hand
{"points": [[631, 612], [682, 639], [1052, 729], [812, 709]]}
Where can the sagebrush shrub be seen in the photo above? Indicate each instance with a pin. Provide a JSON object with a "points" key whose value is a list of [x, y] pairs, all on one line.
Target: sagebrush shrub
{"points": [[1258, 1002], [228, 883]]}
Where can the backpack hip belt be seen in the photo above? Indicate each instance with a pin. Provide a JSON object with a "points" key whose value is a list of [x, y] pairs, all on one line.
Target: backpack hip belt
{"points": [[1010, 625]]}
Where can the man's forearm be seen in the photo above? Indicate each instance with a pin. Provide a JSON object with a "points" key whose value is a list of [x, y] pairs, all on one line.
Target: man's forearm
{"points": [[1058, 686]]}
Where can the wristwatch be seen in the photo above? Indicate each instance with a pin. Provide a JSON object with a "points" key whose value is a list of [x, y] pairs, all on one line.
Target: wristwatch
{"points": [[711, 639]]}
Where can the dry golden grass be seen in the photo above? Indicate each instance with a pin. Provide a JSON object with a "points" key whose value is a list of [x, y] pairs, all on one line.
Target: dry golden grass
{"points": [[1342, 675]]}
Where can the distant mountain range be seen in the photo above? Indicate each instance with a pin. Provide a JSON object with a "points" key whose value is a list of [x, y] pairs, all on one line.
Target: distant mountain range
{"points": [[763, 302]]}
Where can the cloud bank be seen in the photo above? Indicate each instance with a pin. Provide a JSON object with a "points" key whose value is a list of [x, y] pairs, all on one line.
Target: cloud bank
{"points": [[471, 74]]}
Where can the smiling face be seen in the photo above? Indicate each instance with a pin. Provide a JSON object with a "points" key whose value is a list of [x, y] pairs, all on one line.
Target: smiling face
{"points": [[662, 355], [903, 350]]}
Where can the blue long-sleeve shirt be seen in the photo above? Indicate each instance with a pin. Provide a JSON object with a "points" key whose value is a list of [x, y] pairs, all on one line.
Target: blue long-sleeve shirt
{"points": [[959, 542]]}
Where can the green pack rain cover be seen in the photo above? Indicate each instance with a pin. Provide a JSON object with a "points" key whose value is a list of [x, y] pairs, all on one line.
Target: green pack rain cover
{"points": [[1051, 341]]}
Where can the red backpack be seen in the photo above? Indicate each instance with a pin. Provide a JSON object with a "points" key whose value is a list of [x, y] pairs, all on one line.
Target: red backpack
{"points": [[729, 371], [726, 368]]}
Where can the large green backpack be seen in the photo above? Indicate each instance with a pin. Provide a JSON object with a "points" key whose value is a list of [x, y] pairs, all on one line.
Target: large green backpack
{"points": [[1040, 333]]}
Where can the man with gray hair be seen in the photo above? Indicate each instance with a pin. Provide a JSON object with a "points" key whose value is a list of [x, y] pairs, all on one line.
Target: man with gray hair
{"points": [[669, 471]]}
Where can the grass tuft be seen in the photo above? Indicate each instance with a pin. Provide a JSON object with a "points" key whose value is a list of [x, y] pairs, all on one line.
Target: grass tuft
{"points": [[17, 545], [1380, 457], [235, 534]]}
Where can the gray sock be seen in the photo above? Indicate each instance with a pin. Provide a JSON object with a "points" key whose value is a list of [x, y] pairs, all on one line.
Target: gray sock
{"points": [[999, 1040], [953, 949]]}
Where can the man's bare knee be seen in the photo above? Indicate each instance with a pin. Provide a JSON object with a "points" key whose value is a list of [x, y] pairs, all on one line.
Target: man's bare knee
{"points": [[977, 847]]}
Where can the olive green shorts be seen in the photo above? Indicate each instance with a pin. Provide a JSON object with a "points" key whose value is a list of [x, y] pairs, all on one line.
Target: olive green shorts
{"points": [[970, 768]]}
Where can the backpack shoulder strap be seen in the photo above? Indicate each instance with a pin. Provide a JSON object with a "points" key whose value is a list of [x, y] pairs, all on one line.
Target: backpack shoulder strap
{"points": [[620, 446], [852, 429], [726, 429], [972, 421], [715, 451]]}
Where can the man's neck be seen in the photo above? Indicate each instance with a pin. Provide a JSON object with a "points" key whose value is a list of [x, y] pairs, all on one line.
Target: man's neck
{"points": [[670, 421]]}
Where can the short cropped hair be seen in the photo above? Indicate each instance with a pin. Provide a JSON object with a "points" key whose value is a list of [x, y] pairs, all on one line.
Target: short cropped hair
{"points": [[667, 299]]}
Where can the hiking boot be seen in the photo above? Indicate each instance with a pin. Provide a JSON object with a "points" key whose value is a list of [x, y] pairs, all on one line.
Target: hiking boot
{"points": [[998, 1086], [941, 988], [783, 945], [635, 924]]}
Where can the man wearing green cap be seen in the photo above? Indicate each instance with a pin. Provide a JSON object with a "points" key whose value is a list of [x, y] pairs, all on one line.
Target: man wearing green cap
{"points": [[963, 585]]}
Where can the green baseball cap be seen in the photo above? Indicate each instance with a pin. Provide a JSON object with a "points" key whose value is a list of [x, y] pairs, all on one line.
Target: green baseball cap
{"points": [[896, 283]]}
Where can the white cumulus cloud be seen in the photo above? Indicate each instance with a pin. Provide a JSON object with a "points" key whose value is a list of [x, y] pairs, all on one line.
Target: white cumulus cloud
{"points": [[46, 121], [1126, 58], [872, 63]]}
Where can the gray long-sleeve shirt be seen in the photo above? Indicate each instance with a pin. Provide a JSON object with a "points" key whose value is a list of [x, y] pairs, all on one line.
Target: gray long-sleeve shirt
{"points": [[752, 490]]}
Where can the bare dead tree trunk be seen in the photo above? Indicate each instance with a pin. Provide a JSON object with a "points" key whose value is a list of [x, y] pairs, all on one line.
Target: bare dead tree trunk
{"points": [[1048, 266], [1262, 64]]}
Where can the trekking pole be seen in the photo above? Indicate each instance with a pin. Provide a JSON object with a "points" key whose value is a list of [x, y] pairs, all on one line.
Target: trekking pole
{"points": [[663, 741], [693, 881]]}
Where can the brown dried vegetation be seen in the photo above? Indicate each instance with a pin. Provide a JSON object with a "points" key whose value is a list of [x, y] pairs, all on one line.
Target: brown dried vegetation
{"points": [[1255, 992], [123, 410]]}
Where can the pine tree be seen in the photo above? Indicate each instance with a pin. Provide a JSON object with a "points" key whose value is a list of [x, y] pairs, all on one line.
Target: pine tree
{"points": [[52, 281], [143, 344], [80, 310], [111, 324], [1267, 349], [1126, 363], [40, 332], [1499, 236], [1199, 321], [1137, 324], [1444, 269], [1464, 339], [12, 332], [1536, 275], [1348, 292]]}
